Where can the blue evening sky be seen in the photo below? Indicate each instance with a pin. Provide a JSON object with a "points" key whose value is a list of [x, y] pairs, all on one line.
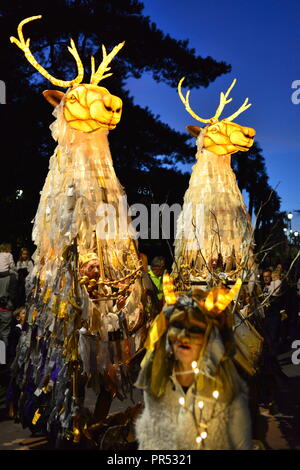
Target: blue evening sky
{"points": [[261, 41]]}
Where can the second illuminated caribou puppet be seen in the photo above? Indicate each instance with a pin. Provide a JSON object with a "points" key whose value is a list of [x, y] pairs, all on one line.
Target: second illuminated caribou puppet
{"points": [[214, 226], [86, 310], [214, 239]]}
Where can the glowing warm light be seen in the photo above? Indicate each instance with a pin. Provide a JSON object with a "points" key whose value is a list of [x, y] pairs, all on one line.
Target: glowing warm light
{"points": [[209, 301], [196, 370], [219, 298], [194, 364], [198, 439], [168, 289], [204, 434], [104, 110], [201, 404], [96, 77], [24, 46], [223, 102], [216, 394], [181, 401]]}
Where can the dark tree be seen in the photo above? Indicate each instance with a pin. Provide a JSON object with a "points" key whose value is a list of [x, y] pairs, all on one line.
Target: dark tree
{"points": [[264, 202]]}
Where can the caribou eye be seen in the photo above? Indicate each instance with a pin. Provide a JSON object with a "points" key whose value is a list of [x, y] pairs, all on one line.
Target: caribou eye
{"points": [[108, 108], [72, 98], [118, 110]]}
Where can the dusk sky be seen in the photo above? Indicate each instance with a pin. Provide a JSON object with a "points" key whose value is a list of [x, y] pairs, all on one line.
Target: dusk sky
{"points": [[261, 41]]}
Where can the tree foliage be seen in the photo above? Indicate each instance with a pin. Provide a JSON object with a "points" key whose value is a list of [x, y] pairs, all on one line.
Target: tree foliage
{"points": [[264, 201]]}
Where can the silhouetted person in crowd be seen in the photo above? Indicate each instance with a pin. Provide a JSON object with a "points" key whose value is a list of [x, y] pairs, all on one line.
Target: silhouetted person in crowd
{"points": [[158, 266], [7, 264], [8, 297], [24, 267], [272, 378], [18, 318]]}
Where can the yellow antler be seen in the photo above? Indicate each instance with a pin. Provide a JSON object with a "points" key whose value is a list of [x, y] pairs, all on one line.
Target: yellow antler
{"points": [[243, 108], [219, 298], [24, 46], [96, 77], [223, 102], [186, 103], [169, 290]]}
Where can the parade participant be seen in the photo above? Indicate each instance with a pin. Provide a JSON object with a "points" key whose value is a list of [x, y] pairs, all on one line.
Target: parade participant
{"points": [[89, 266], [158, 265], [194, 397]]}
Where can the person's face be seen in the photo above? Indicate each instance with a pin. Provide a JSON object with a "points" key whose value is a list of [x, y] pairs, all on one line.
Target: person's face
{"points": [[275, 276], [25, 255], [186, 352], [267, 277], [186, 335], [91, 270], [213, 263], [158, 270], [21, 317]]}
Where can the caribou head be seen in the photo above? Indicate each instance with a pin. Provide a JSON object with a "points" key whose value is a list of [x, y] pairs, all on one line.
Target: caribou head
{"points": [[86, 107], [221, 137]]}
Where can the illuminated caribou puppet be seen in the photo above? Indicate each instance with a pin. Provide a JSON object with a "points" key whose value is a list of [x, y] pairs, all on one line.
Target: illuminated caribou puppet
{"points": [[108, 312], [214, 239], [214, 221]]}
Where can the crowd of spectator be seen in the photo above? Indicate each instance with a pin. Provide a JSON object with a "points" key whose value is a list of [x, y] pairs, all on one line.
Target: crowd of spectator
{"points": [[12, 309], [279, 322], [279, 327]]}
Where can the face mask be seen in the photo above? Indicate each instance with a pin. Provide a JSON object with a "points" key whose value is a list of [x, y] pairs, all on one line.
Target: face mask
{"points": [[186, 325]]}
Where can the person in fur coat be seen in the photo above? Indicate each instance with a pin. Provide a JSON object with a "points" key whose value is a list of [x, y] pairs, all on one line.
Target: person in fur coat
{"points": [[194, 397]]}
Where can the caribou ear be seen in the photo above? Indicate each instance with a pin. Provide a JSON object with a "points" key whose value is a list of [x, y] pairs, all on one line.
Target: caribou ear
{"points": [[53, 96], [194, 130]]}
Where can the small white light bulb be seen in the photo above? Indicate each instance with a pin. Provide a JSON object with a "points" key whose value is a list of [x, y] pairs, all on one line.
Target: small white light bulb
{"points": [[201, 404], [204, 434], [196, 370], [194, 364], [181, 401], [216, 394], [198, 439]]}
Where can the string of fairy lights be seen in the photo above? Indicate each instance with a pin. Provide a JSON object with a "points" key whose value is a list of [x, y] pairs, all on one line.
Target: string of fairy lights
{"points": [[201, 424]]}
